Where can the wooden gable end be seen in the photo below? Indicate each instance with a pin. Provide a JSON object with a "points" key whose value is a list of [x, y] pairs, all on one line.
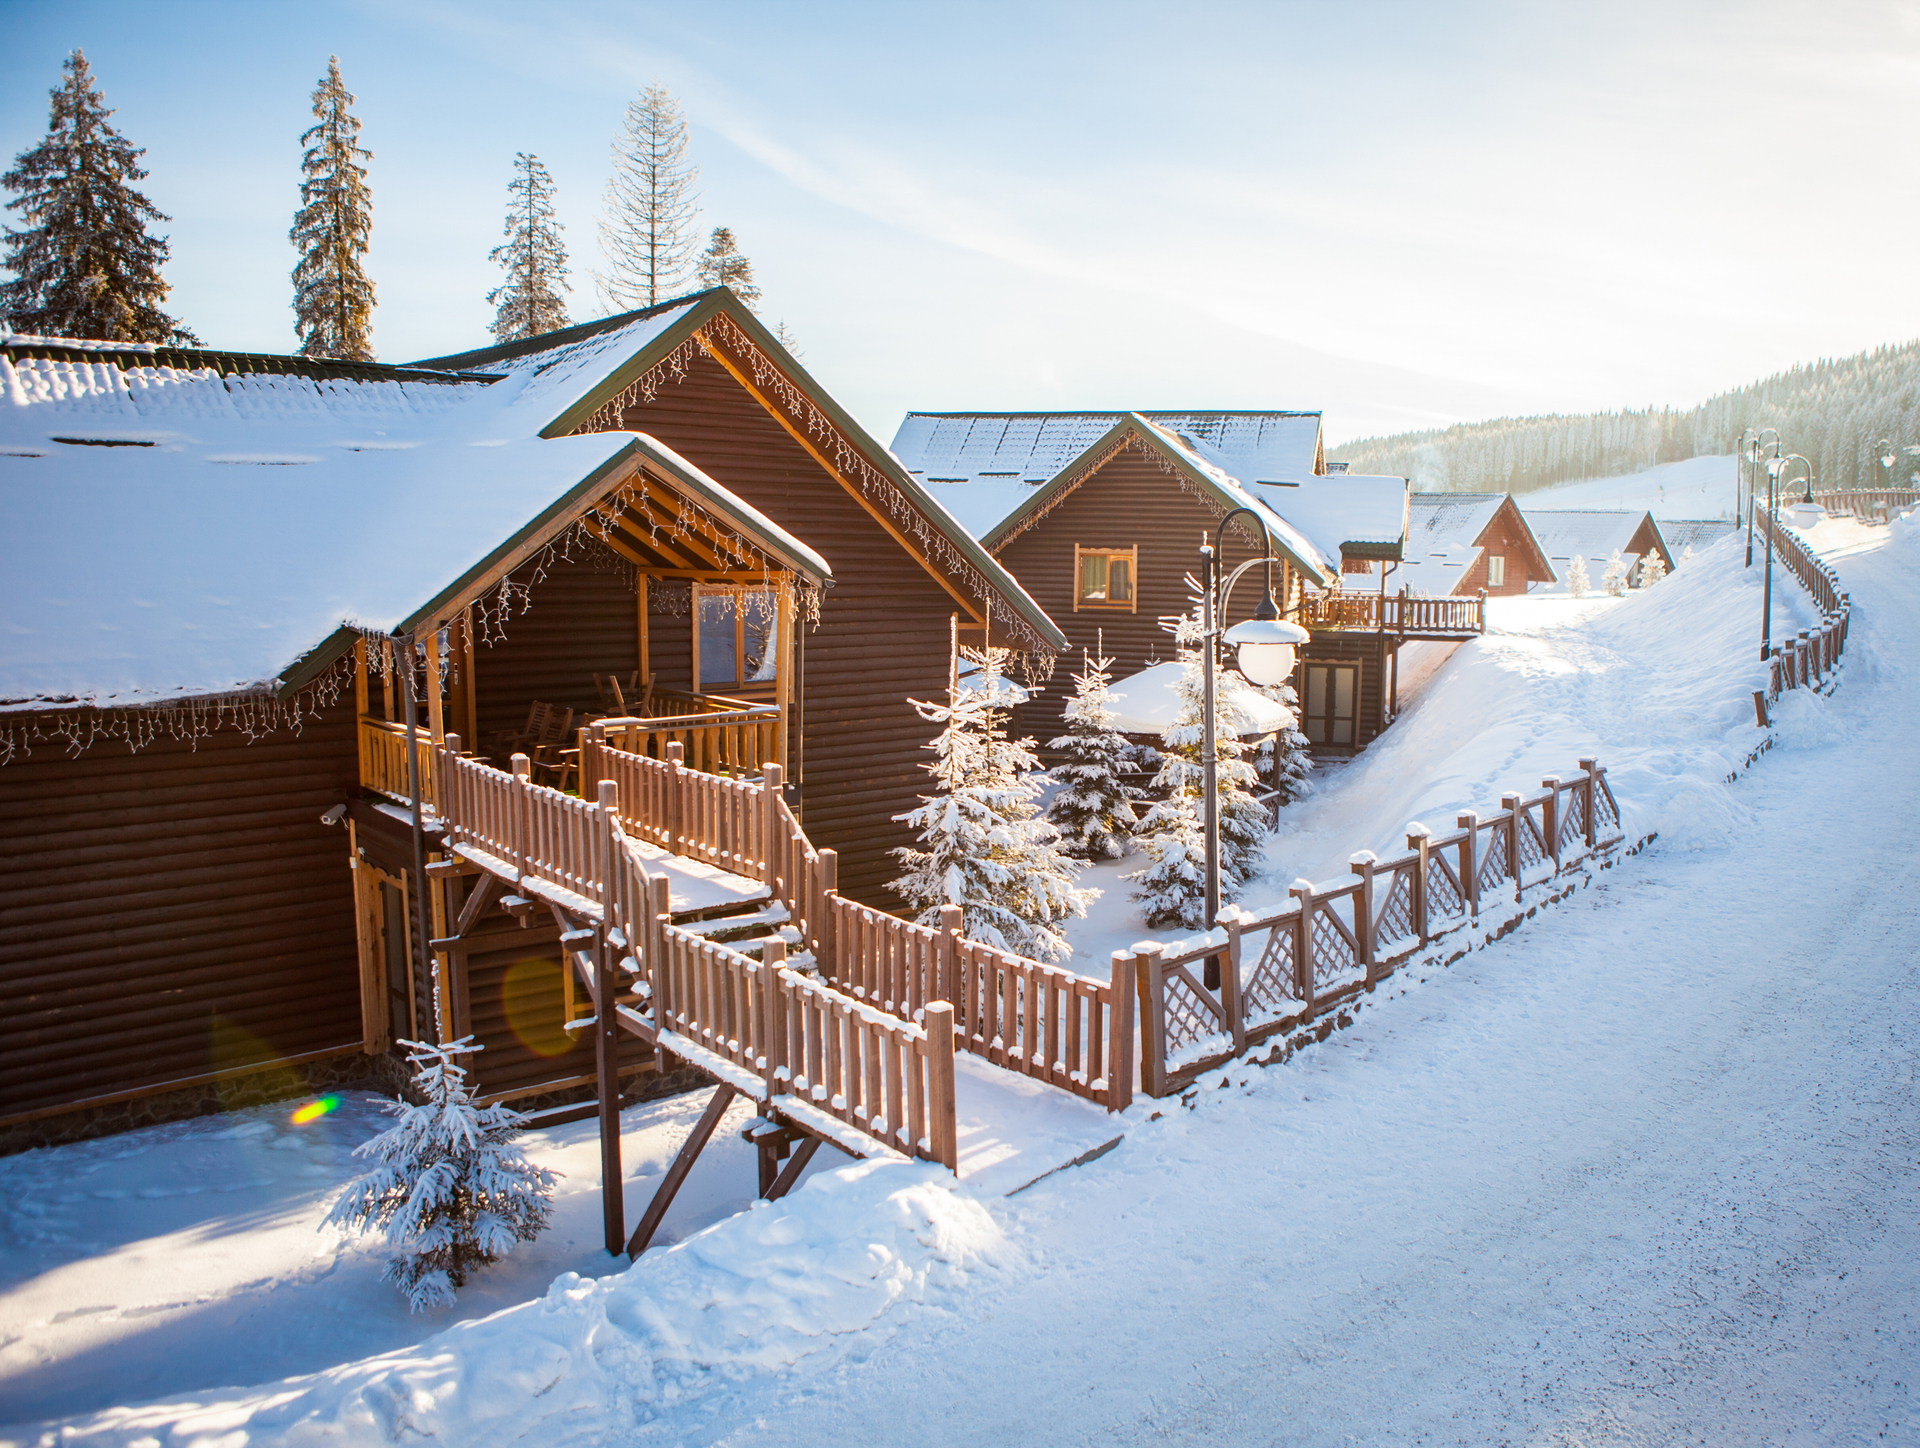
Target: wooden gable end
{"points": [[1128, 502], [884, 627], [1647, 538], [1507, 537]]}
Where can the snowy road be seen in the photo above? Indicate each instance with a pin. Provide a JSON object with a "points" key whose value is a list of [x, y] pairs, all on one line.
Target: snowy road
{"points": [[1642, 1173]]}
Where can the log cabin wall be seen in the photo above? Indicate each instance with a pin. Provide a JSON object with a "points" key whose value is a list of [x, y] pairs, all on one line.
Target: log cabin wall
{"points": [[883, 632], [171, 913], [1505, 535], [582, 619], [1646, 539], [1128, 503]]}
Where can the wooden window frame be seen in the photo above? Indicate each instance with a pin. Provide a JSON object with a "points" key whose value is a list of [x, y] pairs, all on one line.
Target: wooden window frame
{"points": [[1329, 717], [1132, 555], [780, 625], [1496, 570]]}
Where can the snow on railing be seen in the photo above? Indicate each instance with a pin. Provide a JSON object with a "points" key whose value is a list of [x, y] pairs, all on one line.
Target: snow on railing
{"points": [[1805, 661], [1261, 974], [1395, 612]]}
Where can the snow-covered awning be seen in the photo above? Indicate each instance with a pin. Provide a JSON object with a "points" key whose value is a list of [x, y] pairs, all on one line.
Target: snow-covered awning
{"points": [[1147, 702]]}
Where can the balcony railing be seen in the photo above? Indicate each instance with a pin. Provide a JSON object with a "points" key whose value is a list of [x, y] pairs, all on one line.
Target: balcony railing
{"points": [[383, 759], [1394, 613]]}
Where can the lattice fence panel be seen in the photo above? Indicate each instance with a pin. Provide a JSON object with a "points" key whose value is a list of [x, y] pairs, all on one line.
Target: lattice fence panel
{"points": [[1493, 865], [1533, 847], [1395, 920], [1443, 896], [1573, 816], [1268, 988], [1189, 1018], [1332, 956]]}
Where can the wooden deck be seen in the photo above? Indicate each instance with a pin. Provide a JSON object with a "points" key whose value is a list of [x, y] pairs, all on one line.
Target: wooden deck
{"points": [[1401, 615]]}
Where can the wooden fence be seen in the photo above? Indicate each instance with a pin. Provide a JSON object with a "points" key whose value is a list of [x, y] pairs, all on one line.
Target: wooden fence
{"points": [[1278, 969], [383, 759], [1869, 505], [1398, 613], [1804, 661], [735, 742]]}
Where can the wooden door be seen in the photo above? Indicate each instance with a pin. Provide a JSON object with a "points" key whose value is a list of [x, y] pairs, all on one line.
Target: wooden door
{"points": [[1331, 704]]}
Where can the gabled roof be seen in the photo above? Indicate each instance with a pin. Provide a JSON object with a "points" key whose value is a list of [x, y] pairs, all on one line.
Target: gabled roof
{"points": [[1594, 534], [981, 464], [183, 532], [1187, 466], [1445, 527], [578, 371], [1695, 533]]}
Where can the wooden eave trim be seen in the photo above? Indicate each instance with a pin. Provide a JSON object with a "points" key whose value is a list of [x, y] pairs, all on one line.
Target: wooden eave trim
{"points": [[1539, 553]]}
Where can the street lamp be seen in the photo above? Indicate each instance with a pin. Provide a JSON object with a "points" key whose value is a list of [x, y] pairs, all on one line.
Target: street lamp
{"points": [[1754, 444], [1264, 648], [1774, 470], [1888, 457]]}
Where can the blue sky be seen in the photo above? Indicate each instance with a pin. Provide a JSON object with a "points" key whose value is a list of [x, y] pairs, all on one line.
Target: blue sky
{"points": [[1402, 214]]}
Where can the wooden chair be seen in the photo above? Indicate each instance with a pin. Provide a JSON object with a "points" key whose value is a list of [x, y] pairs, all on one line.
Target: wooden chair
{"points": [[547, 730], [614, 699]]}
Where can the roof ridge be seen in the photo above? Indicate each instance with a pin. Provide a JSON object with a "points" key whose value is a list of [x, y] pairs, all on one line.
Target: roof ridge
{"points": [[563, 336]]}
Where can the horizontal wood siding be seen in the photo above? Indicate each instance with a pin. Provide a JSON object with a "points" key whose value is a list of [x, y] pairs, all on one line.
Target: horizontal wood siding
{"points": [[1128, 503], [1505, 534], [174, 911], [583, 619], [883, 629]]}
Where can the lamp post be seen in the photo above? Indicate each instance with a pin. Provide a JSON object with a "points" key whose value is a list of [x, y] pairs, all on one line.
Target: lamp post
{"points": [[1265, 653], [1774, 469], [1754, 444], [1884, 450]]}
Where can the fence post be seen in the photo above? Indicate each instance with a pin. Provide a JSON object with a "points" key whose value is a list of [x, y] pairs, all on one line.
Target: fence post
{"points": [[1230, 980], [657, 906], [1511, 804], [1303, 973], [1470, 862], [522, 807], [946, 955], [1153, 1018], [1588, 767], [676, 806], [1119, 1062], [942, 1133], [1418, 838], [606, 1028], [1550, 818], [1801, 652], [828, 958], [448, 775], [1362, 863], [771, 776], [773, 1024]]}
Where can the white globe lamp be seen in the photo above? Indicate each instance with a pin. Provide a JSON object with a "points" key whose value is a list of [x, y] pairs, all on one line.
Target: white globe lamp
{"points": [[1265, 648]]}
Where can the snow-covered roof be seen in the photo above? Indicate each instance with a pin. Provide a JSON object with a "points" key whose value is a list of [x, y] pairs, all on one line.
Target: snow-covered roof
{"points": [[181, 531], [1437, 521], [1695, 533], [1147, 702], [982, 465], [1363, 515], [1435, 572], [1590, 533]]}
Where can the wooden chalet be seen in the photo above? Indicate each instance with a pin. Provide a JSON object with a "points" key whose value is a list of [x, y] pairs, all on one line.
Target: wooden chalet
{"points": [[1132, 503], [1596, 534], [658, 519], [1464, 544]]}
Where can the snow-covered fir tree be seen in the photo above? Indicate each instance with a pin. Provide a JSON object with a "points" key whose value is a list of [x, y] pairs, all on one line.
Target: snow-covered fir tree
{"points": [[332, 294], [1172, 888], [1685, 555], [450, 1191], [1614, 580], [723, 264], [1579, 585], [1093, 809], [984, 845], [83, 263], [646, 229], [533, 257], [1653, 568], [1296, 754]]}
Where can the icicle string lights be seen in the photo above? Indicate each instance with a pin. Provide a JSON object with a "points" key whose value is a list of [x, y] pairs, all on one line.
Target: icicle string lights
{"points": [[1153, 455]]}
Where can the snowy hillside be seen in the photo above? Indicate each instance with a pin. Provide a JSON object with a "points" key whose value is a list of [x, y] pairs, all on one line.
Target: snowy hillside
{"points": [[1701, 487], [1639, 1173]]}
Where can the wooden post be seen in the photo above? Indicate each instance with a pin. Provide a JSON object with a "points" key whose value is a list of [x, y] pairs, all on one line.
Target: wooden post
{"points": [[447, 803], [677, 1173], [829, 956], [1470, 861], [1230, 980], [773, 1018], [771, 777], [469, 684], [1511, 804], [360, 706], [1802, 649], [654, 962], [676, 765], [606, 1032], [1550, 818], [1590, 768], [1417, 841], [1362, 863], [1302, 891], [1153, 1018], [436, 719], [943, 1137], [947, 953], [522, 806], [1120, 1033]]}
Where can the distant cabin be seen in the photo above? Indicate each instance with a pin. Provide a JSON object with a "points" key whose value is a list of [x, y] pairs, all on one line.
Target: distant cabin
{"points": [[1683, 535], [1101, 515], [658, 515], [1467, 543], [1596, 534]]}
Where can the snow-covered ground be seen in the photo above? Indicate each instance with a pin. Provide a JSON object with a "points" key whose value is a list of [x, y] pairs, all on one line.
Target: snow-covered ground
{"points": [[1642, 1172], [1701, 487]]}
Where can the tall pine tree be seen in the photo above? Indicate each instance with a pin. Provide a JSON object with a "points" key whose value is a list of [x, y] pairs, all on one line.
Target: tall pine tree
{"points": [[723, 264], [84, 264], [533, 256], [647, 228], [332, 294]]}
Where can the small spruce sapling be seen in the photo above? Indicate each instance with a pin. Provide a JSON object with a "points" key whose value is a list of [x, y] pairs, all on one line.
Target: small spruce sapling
{"points": [[1653, 568], [1172, 888], [984, 845], [449, 1191], [1579, 585], [1614, 580], [1094, 807], [1296, 757]]}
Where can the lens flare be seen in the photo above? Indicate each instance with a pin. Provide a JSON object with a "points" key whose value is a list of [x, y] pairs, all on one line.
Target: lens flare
{"points": [[315, 1109]]}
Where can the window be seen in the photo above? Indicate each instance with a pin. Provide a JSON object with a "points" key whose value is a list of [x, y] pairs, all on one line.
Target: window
{"points": [[1332, 690], [1105, 577], [1496, 571], [1355, 565], [736, 636]]}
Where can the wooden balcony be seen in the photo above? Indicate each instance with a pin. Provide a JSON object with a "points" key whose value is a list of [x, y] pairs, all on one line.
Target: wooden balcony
{"points": [[383, 759], [1399, 614], [736, 738]]}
